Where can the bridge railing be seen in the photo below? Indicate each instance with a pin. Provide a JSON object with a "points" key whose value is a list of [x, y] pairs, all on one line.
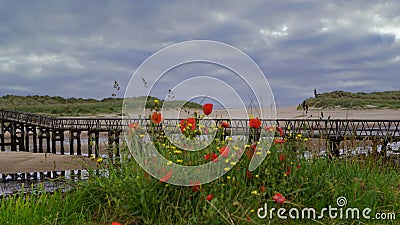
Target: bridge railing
{"points": [[323, 128]]}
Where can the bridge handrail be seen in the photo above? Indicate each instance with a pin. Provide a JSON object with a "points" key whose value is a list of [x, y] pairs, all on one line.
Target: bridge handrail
{"points": [[307, 125]]}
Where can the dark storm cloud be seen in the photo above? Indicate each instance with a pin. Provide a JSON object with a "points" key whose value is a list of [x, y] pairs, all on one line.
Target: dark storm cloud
{"points": [[78, 48]]}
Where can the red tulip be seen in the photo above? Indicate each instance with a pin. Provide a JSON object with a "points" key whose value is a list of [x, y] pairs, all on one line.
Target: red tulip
{"points": [[166, 176], [156, 117], [195, 186], [185, 124], [133, 125], [116, 223], [263, 189], [255, 123], [224, 124], [278, 197], [249, 174], [212, 156], [298, 166], [250, 151], [288, 171], [279, 141], [281, 157], [209, 197], [207, 108], [224, 151]]}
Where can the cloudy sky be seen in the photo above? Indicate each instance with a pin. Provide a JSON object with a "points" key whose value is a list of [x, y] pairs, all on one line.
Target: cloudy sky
{"points": [[78, 48]]}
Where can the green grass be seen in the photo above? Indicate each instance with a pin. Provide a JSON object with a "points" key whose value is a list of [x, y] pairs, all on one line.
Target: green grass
{"points": [[347, 100], [59, 106], [128, 195]]}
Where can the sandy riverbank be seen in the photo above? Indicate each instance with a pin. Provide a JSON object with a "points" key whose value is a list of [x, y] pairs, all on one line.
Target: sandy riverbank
{"points": [[23, 162]]}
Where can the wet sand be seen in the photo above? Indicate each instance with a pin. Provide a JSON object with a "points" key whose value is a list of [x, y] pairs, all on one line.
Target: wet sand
{"points": [[24, 162]]}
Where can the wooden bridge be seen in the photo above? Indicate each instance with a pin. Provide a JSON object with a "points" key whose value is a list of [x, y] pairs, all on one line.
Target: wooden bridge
{"points": [[43, 134]]}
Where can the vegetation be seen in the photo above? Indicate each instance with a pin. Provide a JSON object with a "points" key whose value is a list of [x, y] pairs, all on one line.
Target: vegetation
{"points": [[347, 100], [119, 190], [73, 106], [128, 195]]}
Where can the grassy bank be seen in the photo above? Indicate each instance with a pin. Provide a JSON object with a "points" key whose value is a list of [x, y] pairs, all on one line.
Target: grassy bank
{"points": [[348, 100], [129, 196], [59, 106]]}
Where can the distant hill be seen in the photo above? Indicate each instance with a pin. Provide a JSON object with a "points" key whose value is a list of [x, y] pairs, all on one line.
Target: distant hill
{"points": [[60, 106], [348, 100]]}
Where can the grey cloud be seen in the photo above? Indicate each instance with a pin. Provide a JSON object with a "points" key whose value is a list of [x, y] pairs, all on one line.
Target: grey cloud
{"points": [[78, 48]]}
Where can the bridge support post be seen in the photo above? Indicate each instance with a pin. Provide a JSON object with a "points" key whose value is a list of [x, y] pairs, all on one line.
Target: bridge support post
{"points": [[28, 129], [2, 131], [113, 143], [57, 136], [75, 135], [44, 133], [93, 141]]}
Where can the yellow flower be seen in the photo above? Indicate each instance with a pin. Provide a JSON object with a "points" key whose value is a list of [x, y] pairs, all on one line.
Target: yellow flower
{"points": [[254, 192], [257, 176], [229, 139], [227, 169], [169, 163], [226, 160], [155, 101], [177, 151], [258, 153], [233, 163], [179, 161], [269, 152], [92, 156], [228, 177], [305, 139], [99, 160], [252, 210]]}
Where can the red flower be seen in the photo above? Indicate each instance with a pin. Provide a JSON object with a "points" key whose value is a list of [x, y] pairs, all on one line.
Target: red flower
{"points": [[195, 186], [279, 141], [224, 151], [249, 174], [278, 197], [133, 125], [189, 123], [255, 123], [281, 157], [250, 151], [207, 108], [263, 189], [212, 156], [298, 166], [156, 117], [209, 197], [288, 170], [116, 223], [224, 124], [166, 176]]}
